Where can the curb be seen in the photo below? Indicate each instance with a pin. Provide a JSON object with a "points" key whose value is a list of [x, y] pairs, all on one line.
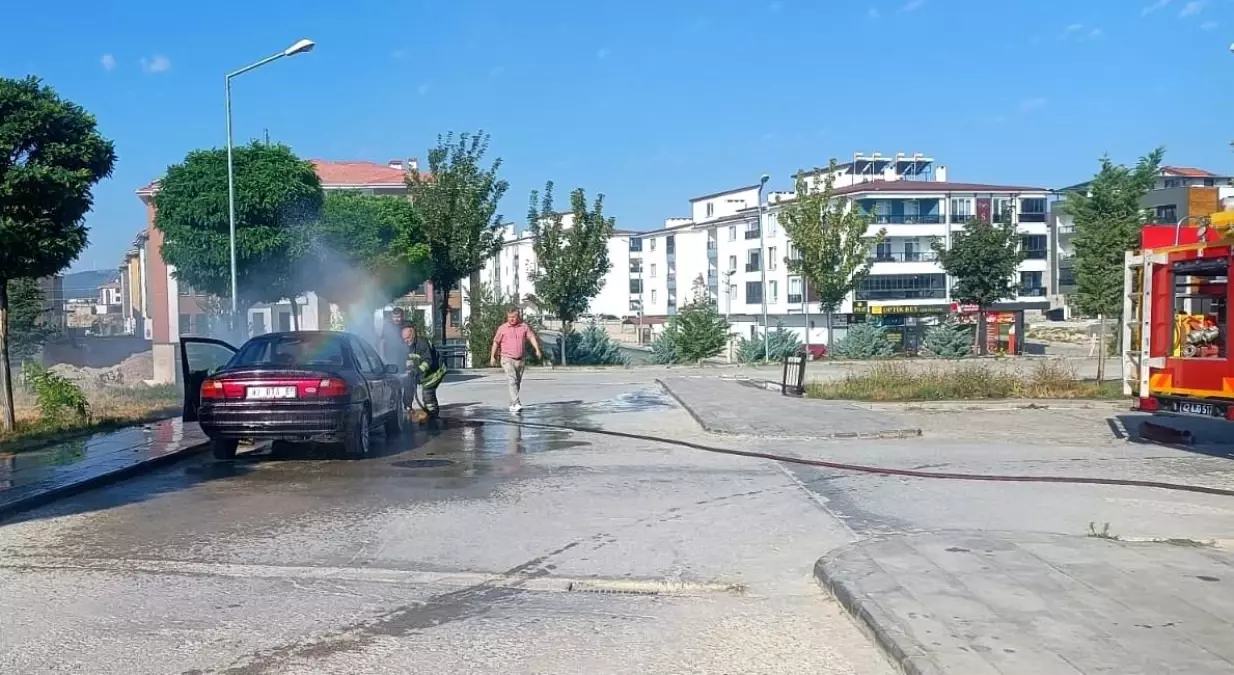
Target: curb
{"points": [[839, 435], [33, 501], [876, 623]]}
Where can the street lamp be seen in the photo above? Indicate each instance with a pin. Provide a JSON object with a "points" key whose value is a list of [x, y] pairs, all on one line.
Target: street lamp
{"points": [[300, 47], [762, 254]]}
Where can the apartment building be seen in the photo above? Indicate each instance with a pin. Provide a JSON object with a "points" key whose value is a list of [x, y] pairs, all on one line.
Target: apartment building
{"points": [[174, 309]]}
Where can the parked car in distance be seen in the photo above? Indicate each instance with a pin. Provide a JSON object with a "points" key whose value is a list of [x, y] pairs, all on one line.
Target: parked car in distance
{"points": [[313, 386]]}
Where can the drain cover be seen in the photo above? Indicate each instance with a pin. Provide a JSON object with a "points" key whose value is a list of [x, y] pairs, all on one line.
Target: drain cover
{"points": [[424, 463]]}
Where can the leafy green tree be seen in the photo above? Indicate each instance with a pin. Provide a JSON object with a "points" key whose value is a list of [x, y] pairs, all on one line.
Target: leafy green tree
{"points": [[278, 198], [833, 240], [571, 260], [27, 310], [948, 341], [51, 156], [698, 330], [457, 202], [781, 342], [1108, 217], [366, 251], [864, 341], [983, 259]]}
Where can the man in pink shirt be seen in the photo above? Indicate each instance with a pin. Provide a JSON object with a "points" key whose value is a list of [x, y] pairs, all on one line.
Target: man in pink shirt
{"points": [[511, 342]]}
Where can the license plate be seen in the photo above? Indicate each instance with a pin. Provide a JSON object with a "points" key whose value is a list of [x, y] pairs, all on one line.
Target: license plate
{"points": [[1195, 408], [268, 393]]}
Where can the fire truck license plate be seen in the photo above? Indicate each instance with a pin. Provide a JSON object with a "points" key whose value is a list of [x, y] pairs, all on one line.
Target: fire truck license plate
{"points": [[1191, 408]]}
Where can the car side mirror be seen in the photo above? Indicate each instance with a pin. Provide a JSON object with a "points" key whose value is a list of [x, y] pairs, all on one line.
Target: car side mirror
{"points": [[391, 369]]}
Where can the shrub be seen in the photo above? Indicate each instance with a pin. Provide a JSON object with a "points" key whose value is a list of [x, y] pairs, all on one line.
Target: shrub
{"points": [[899, 381], [781, 342], [948, 341], [591, 347], [664, 347], [57, 397], [698, 331], [864, 341]]}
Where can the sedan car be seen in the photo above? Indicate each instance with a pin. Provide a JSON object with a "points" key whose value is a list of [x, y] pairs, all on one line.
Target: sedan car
{"points": [[315, 386]]}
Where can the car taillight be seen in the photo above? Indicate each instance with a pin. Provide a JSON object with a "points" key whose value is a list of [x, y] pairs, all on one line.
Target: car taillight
{"points": [[329, 387], [212, 389], [1147, 404]]}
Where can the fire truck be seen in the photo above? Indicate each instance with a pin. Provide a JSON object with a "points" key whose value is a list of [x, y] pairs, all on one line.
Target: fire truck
{"points": [[1176, 321]]}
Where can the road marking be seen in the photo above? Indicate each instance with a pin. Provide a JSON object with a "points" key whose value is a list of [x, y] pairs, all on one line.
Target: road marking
{"points": [[528, 582]]}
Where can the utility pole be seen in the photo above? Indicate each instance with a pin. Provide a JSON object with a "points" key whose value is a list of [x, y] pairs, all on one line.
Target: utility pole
{"points": [[762, 264]]}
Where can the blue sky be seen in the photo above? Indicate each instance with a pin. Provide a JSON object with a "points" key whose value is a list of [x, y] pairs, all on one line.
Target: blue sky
{"points": [[649, 102]]}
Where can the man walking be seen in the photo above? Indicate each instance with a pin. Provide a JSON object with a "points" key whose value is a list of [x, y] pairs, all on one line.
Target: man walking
{"points": [[511, 342]]}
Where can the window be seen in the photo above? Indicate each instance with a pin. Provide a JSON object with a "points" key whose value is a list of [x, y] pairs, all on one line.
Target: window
{"points": [[773, 290], [297, 349], [1173, 183], [961, 210], [1034, 246], [732, 293], [367, 362], [257, 323], [636, 306], [284, 321], [186, 325], [732, 233], [636, 244], [711, 209], [1209, 182], [653, 270], [1030, 284], [1166, 214], [653, 295], [754, 260], [732, 263], [636, 287], [636, 266], [903, 287], [794, 291], [1033, 205], [794, 253], [882, 252], [456, 317], [670, 244], [653, 244], [1001, 209], [771, 224], [771, 258], [754, 293]]}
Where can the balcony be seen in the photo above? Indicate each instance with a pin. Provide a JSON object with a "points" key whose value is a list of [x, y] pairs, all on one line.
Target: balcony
{"points": [[1035, 254], [905, 256], [794, 298], [1032, 217], [903, 294], [1032, 292], [961, 218], [753, 234], [906, 219], [753, 267]]}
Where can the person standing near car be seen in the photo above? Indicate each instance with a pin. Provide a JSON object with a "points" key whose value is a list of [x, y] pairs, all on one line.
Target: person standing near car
{"points": [[390, 345], [511, 343], [424, 367]]}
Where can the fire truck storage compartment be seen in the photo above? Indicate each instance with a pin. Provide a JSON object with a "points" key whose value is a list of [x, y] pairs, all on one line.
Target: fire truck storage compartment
{"points": [[1190, 297]]}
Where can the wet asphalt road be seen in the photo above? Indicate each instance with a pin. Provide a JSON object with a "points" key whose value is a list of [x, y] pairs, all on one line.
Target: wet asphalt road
{"points": [[480, 547]]}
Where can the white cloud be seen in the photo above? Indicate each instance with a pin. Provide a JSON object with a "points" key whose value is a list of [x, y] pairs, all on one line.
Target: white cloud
{"points": [[422, 89], [1159, 4], [1095, 33], [1073, 28], [874, 13], [1208, 25], [109, 62], [157, 64], [602, 53], [1031, 104], [1192, 8], [911, 5]]}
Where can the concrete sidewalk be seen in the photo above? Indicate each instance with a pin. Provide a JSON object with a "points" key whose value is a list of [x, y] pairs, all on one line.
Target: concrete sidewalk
{"points": [[730, 407], [35, 477], [983, 603]]}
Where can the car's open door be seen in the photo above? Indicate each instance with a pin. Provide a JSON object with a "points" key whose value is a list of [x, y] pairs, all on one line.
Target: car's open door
{"points": [[199, 357]]}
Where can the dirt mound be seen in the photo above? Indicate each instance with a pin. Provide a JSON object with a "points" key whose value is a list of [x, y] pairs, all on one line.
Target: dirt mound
{"points": [[131, 372]]}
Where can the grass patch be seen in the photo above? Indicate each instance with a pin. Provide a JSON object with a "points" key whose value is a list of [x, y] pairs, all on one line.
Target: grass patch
{"points": [[898, 381], [110, 408]]}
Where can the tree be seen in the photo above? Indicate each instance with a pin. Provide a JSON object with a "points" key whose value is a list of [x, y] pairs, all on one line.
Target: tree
{"points": [[698, 331], [278, 198], [593, 346], [832, 238], [51, 156], [664, 347], [948, 341], [457, 202], [983, 260], [366, 251], [774, 345], [864, 341], [571, 260], [1108, 217], [27, 310]]}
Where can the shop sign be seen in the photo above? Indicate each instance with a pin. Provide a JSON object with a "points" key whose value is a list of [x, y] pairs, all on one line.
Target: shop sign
{"points": [[907, 309], [963, 309]]}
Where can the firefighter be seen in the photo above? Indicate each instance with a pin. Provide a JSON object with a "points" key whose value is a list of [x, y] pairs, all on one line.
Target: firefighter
{"points": [[426, 368]]}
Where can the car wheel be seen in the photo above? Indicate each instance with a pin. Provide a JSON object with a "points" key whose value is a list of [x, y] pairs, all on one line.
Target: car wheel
{"points": [[396, 421], [224, 449], [359, 439]]}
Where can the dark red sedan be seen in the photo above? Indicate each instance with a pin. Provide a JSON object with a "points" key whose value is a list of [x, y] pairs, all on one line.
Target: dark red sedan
{"points": [[316, 386]]}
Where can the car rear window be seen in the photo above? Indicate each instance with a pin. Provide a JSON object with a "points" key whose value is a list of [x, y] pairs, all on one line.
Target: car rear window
{"points": [[292, 350]]}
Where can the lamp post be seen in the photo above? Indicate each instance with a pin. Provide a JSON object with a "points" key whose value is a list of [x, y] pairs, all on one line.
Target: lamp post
{"points": [[300, 47], [762, 254]]}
